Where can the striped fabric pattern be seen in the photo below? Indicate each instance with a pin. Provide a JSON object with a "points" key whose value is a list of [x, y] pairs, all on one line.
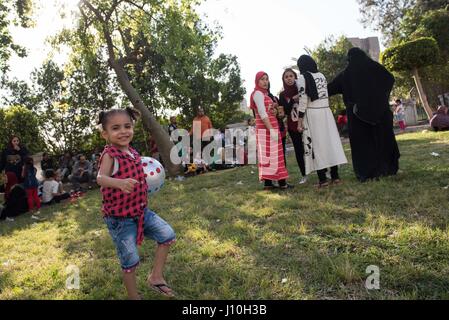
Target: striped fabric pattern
{"points": [[269, 148]]}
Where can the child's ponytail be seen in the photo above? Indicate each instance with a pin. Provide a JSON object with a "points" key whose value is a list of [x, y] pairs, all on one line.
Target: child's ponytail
{"points": [[104, 115], [101, 119], [133, 113]]}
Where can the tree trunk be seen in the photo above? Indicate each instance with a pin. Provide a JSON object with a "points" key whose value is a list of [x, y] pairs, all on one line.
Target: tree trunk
{"points": [[150, 123], [161, 137], [422, 94]]}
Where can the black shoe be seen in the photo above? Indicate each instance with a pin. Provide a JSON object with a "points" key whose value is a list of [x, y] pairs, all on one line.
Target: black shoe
{"points": [[286, 187]]}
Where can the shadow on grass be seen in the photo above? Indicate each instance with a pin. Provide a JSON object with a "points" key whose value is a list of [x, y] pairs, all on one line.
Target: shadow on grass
{"points": [[238, 242]]}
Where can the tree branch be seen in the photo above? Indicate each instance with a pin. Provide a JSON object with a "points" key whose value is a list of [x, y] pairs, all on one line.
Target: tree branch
{"points": [[141, 7], [106, 32], [115, 4], [93, 9], [124, 40], [85, 17]]}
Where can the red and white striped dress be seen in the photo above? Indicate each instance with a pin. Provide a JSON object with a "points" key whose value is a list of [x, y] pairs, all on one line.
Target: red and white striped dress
{"points": [[269, 150]]}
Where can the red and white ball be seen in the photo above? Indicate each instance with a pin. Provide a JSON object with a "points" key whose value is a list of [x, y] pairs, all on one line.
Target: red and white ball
{"points": [[154, 174]]}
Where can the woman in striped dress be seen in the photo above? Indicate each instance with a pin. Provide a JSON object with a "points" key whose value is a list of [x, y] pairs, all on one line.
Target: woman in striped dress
{"points": [[269, 143]]}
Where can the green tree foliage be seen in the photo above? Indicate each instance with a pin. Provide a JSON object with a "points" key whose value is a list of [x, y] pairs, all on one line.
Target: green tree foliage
{"points": [[160, 51], [12, 12], [22, 122], [18, 92], [66, 102], [385, 15], [435, 24], [423, 6], [397, 19], [169, 59], [331, 57], [411, 55]]}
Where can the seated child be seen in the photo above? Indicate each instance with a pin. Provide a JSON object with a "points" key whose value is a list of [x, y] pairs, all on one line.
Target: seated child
{"points": [[201, 166], [16, 204], [52, 191]]}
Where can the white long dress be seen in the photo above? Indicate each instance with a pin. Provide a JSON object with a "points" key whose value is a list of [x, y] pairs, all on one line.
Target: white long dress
{"points": [[322, 143]]}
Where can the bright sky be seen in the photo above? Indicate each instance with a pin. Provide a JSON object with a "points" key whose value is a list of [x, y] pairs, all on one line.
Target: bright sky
{"points": [[263, 34]]}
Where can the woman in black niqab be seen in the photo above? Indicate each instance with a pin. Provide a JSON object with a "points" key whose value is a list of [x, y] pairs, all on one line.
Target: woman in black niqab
{"points": [[366, 86]]}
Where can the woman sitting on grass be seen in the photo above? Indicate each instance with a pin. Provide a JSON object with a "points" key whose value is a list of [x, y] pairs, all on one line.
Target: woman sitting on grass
{"points": [[440, 121], [16, 202]]}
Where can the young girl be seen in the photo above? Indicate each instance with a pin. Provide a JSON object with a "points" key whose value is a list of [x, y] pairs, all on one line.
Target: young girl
{"points": [[399, 113], [52, 191], [269, 143], [31, 184], [323, 148], [125, 192], [287, 100]]}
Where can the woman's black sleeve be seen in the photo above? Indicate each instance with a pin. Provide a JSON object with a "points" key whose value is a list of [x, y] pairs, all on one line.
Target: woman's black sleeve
{"points": [[336, 85]]}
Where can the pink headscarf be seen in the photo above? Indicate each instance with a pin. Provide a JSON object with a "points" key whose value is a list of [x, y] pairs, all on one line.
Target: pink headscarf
{"points": [[259, 76]]}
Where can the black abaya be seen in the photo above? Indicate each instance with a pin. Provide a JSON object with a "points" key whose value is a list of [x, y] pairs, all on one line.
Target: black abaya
{"points": [[375, 152]]}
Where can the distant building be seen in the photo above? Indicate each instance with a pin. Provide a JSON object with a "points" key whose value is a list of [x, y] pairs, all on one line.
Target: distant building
{"points": [[244, 107], [370, 45]]}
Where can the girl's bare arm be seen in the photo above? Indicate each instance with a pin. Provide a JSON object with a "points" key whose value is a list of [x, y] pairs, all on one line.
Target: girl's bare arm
{"points": [[105, 180]]}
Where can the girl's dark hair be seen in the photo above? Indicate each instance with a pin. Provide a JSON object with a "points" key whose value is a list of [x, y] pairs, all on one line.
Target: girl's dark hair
{"points": [[29, 161], [10, 141], [105, 115], [49, 173], [28, 164], [289, 70]]}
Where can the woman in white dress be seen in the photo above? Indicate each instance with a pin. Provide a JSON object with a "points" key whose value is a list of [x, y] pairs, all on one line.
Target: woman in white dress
{"points": [[322, 143]]}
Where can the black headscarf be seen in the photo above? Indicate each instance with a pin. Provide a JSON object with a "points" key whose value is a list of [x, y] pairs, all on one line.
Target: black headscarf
{"points": [[370, 84], [307, 66]]}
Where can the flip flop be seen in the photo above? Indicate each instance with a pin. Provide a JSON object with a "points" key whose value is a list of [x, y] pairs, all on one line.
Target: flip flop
{"points": [[158, 289], [322, 185]]}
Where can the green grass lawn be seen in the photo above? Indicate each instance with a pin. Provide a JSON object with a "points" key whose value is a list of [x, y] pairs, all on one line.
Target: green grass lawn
{"points": [[238, 242]]}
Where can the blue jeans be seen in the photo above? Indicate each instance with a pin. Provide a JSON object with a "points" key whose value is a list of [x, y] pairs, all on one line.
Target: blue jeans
{"points": [[124, 234]]}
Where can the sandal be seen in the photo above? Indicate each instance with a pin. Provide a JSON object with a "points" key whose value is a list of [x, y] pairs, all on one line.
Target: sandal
{"points": [[337, 182], [322, 185], [158, 289]]}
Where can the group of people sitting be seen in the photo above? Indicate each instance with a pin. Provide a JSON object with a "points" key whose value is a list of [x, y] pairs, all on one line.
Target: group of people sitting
{"points": [[26, 191], [220, 160], [75, 169]]}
